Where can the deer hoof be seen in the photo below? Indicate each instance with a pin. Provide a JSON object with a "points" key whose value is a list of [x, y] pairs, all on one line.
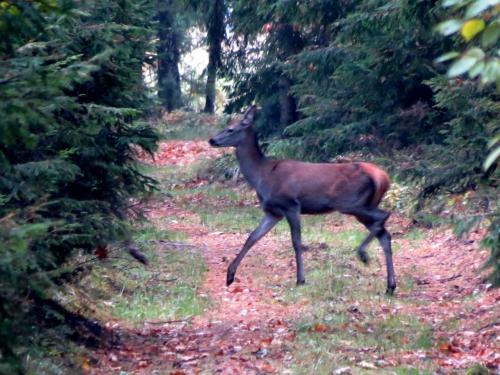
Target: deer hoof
{"points": [[230, 279], [300, 282], [390, 290], [363, 256]]}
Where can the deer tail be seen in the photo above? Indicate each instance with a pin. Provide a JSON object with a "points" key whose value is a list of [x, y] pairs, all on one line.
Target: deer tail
{"points": [[381, 180]]}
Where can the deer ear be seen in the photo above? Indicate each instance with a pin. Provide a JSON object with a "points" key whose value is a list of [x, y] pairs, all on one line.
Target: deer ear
{"points": [[249, 115]]}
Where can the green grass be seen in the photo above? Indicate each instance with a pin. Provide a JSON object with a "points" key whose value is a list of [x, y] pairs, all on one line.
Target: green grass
{"points": [[415, 235], [170, 175], [150, 234], [231, 219], [161, 293], [412, 371], [353, 335], [53, 354], [165, 289]]}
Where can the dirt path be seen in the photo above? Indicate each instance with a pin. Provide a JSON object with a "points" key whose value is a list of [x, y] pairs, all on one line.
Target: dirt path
{"points": [[248, 330]]}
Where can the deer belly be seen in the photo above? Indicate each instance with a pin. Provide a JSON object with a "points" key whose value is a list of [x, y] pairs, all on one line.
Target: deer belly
{"points": [[314, 206]]}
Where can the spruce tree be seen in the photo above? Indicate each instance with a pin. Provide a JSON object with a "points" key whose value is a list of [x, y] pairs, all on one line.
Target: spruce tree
{"points": [[71, 105]]}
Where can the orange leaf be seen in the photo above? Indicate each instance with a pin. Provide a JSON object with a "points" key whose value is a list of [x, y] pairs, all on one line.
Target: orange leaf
{"points": [[266, 342], [86, 366], [266, 367], [449, 348], [320, 327]]}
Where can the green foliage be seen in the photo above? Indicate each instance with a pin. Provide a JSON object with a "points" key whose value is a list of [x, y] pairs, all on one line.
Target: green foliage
{"points": [[481, 60], [71, 100], [469, 119], [478, 20], [479, 25]]}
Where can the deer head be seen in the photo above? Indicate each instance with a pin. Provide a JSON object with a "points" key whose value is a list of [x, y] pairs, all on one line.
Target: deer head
{"points": [[237, 132]]}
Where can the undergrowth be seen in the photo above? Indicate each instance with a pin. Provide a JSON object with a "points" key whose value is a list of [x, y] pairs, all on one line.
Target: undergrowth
{"points": [[189, 125]]}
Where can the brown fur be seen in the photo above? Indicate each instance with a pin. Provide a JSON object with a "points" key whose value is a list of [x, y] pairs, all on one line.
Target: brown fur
{"points": [[380, 178]]}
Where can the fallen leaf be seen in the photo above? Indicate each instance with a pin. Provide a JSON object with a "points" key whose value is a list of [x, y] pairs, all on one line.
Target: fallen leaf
{"points": [[267, 341], [320, 327], [266, 367], [449, 348], [86, 366]]}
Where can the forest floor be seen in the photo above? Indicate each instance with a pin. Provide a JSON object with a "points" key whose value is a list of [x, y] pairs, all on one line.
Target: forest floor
{"points": [[444, 317]]}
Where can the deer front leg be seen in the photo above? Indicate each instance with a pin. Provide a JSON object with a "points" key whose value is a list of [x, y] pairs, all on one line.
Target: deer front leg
{"points": [[293, 218], [385, 240], [267, 223]]}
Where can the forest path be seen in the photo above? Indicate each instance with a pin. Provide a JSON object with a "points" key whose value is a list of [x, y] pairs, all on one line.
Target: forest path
{"points": [[251, 327]]}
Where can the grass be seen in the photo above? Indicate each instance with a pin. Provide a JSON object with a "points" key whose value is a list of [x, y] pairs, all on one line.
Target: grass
{"points": [[165, 289], [168, 292], [347, 319], [231, 220], [348, 335], [415, 235]]}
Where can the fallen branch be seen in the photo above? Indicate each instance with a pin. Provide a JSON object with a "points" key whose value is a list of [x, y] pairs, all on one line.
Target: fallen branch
{"points": [[489, 325], [169, 321], [174, 244]]}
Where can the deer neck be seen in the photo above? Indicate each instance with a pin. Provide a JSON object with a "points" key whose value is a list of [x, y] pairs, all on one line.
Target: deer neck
{"points": [[251, 159]]}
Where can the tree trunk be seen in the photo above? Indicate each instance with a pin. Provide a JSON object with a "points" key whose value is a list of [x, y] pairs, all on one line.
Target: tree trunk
{"points": [[287, 102], [169, 82], [210, 88], [215, 36]]}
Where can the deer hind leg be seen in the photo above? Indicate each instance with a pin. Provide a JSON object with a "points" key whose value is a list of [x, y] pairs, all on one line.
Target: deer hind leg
{"points": [[267, 223], [369, 223], [374, 219], [293, 218]]}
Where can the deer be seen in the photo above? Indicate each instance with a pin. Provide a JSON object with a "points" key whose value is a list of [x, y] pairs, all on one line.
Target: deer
{"points": [[289, 188]]}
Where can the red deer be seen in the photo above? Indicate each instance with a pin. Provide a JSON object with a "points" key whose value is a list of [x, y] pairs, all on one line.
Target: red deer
{"points": [[289, 188]]}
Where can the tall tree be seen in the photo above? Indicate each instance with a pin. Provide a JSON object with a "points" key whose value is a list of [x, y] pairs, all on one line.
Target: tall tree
{"points": [[215, 35], [168, 50]]}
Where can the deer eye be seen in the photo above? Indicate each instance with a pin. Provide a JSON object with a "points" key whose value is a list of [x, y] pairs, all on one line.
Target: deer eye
{"points": [[230, 130]]}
